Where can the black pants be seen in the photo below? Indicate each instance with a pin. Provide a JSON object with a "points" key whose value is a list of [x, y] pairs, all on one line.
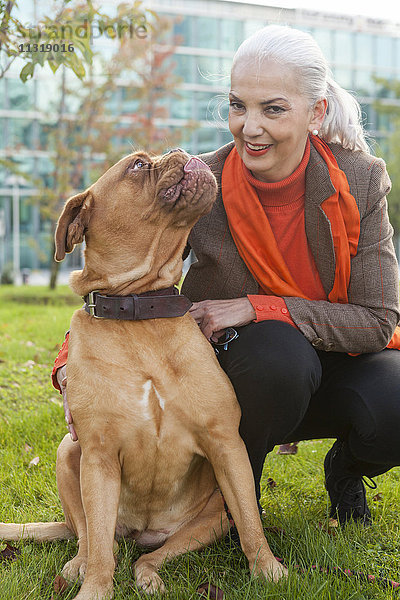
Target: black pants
{"points": [[288, 391]]}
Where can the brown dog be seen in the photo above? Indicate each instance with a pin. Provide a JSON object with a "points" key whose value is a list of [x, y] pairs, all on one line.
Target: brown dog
{"points": [[155, 415]]}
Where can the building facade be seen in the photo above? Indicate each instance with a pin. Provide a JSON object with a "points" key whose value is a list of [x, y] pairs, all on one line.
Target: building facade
{"points": [[205, 34]]}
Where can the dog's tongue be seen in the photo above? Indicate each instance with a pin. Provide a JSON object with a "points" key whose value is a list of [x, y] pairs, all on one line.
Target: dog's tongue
{"points": [[196, 164]]}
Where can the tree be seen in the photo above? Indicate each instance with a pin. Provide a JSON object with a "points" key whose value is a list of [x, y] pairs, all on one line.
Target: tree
{"points": [[390, 90], [63, 39]]}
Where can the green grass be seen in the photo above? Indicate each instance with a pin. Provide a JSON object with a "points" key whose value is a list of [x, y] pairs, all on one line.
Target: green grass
{"points": [[32, 326]]}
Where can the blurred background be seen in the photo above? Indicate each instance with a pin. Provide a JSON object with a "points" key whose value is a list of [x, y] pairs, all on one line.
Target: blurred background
{"points": [[153, 75]]}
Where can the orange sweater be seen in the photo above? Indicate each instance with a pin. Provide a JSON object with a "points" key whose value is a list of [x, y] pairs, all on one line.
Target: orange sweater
{"points": [[283, 203]]}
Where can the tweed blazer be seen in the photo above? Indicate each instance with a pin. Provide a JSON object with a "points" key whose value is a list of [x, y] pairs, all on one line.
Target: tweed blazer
{"points": [[367, 322]]}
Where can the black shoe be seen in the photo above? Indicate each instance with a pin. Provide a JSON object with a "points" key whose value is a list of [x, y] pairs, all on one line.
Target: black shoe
{"points": [[345, 487]]}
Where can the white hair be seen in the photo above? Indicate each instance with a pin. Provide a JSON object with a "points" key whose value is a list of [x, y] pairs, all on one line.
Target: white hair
{"points": [[299, 51]]}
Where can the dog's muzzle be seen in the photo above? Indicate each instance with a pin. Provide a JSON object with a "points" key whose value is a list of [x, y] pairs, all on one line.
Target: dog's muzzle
{"points": [[193, 172]]}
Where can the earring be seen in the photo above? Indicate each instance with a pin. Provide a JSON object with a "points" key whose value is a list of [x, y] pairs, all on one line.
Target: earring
{"points": [[315, 132]]}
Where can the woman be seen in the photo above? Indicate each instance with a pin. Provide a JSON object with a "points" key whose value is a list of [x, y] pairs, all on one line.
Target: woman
{"points": [[297, 256]]}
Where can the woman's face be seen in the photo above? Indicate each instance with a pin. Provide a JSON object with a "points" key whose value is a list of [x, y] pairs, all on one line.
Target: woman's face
{"points": [[269, 118]]}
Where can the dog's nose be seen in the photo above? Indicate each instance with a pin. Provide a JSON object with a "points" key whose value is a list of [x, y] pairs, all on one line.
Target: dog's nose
{"points": [[196, 164]]}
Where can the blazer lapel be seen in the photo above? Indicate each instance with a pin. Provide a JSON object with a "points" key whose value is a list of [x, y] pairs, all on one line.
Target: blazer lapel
{"points": [[318, 229]]}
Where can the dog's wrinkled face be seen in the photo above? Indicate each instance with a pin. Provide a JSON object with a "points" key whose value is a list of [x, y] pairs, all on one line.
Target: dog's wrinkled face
{"points": [[184, 185], [136, 219], [175, 184]]}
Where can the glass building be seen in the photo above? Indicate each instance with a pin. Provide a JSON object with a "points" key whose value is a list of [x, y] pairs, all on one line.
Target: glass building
{"points": [[204, 34]]}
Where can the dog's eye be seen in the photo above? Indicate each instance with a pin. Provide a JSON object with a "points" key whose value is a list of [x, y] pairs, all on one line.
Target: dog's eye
{"points": [[138, 164]]}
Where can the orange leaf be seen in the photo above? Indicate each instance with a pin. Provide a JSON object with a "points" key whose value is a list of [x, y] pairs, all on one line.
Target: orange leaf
{"points": [[60, 584]]}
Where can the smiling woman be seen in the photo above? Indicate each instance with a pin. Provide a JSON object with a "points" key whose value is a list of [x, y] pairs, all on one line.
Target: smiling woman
{"points": [[297, 255]]}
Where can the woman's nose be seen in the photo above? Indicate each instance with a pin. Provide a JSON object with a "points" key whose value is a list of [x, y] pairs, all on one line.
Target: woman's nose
{"points": [[252, 126]]}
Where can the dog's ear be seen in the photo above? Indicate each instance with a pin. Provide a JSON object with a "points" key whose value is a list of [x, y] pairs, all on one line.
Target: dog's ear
{"points": [[72, 223]]}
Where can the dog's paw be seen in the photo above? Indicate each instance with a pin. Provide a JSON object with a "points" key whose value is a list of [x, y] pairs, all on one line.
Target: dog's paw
{"points": [[147, 578], [75, 569], [271, 571]]}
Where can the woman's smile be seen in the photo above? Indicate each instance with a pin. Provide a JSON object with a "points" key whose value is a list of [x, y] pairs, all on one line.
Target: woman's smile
{"points": [[256, 149]]}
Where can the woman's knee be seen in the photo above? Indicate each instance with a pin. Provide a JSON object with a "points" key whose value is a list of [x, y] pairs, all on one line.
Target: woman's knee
{"points": [[369, 395], [274, 371], [275, 356], [374, 429]]}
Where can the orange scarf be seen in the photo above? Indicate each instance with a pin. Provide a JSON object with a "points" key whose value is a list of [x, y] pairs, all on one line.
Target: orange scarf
{"points": [[255, 240]]}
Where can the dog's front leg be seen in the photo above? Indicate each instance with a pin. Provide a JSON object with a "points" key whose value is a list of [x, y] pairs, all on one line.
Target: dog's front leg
{"points": [[100, 488], [228, 456]]}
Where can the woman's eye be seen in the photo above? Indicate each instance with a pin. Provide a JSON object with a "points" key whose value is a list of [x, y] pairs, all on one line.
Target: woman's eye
{"points": [[236, 105], [275, 110]]}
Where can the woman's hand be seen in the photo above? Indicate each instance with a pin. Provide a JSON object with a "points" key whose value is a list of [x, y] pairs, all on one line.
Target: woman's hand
{"points": [[62, 381], [214, 316]]}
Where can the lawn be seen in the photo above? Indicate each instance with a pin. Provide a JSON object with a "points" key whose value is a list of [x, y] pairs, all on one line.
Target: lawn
{"points": [[32, 326]]}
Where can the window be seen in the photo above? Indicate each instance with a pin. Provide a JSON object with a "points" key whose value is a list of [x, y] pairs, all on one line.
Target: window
{"points": [[3, 136], [251, 26], [207, 69], [206, 140], [323, 37], [46, 171], [48, 94], [25, 11], [397, 52], [363, 83], [343, 47], [113, 101], [217, 108], [344, 77], [129, 104], [206, 33], [382, 91], [383, 122], [384, 55], [2, 94], [224, 137], [25, 216], [182, 107], [368, 117], [225, 69], [231, 34], [183, 29], [185, 68], [46, 135], [205, 104], [365, 49], [20, 133], [20, 95]]}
